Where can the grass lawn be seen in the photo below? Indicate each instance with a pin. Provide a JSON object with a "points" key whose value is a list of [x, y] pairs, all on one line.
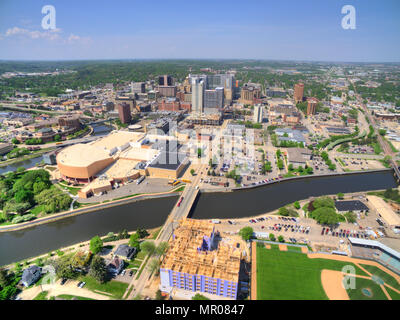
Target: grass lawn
{"points": [[155, 234], [387, 278], [116, 288], [393, 294], [134, 264], [357, 294], [290, 275], [41, 296], [36, 210], [294, 249], [69, 297], [140, 256]]}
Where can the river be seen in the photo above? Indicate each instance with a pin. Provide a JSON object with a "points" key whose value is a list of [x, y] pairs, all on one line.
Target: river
{"points": [[18, 245], [98, 129]]}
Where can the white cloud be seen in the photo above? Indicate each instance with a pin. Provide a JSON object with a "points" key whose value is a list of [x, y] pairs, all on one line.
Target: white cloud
{"points": [[33, 34], [52, 35]]}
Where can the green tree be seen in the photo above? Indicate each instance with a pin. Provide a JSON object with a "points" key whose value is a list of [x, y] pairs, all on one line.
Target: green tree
{"points": [[199, 296], [98, 269], [162, 248], [148, 247], [134, 240], [53, 199], [271, 237], [192, 172], [323, 202], [281, 239], [283, 211], [154, 266], [246, 233], [64, 267], [350, 216], [159, 295], [142, 233], [325, 215], [340, 195], [4, 278], [96, 244], [296, 205]]}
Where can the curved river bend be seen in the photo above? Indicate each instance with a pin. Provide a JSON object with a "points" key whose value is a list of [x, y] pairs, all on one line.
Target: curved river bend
{"points": [[18, 245]]}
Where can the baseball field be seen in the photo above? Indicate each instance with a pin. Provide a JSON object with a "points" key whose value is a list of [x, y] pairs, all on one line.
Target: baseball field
{"points": [[292, 275]]}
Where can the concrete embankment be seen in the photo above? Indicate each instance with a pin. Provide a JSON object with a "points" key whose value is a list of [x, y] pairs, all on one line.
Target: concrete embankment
{"points": [[68, 214]]}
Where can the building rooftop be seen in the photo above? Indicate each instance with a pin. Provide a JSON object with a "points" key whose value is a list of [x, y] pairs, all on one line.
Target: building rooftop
{"points": [[81, 155], [186, 253], [375, 243], [117, 139], [168, 160], [384, 210], [350, 205]]}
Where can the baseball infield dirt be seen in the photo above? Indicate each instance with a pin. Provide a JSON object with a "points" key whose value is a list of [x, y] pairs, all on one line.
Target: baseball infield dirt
{"points": [[332, 284]]}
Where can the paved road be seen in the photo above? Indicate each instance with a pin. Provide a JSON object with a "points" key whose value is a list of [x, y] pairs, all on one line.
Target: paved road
{"points": [[176, 214]]}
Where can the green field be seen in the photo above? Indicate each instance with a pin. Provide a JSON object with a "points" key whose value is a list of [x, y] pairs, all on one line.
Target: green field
{"points": [[116, 288], [393, 294], [387, 278], [357, 294], [290, 275]]}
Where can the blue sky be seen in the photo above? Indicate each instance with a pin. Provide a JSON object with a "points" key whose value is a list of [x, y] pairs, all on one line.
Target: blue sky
{"points": [[247, 29]]}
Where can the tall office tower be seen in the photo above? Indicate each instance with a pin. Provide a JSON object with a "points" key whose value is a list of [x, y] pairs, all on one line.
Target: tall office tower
{"points": [[258, 113], [213, 100], [312, 106], [124, 112], [165, 80], [298, 92], [197, 95], [138, 87]]}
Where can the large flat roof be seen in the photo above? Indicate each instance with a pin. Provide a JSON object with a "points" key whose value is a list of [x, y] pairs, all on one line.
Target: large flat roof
{"points": [[81, 155], [117, 139], [139, 154], [384, 210], [168, 160], [375, 243]]}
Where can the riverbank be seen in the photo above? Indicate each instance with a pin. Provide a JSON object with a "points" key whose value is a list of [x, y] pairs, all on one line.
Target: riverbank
{"points": [[25, 158], [87, 209], [83, 245], [15, 246]]}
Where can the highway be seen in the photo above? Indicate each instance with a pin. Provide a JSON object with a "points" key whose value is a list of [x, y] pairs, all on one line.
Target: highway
{"points": [[387, 150]]}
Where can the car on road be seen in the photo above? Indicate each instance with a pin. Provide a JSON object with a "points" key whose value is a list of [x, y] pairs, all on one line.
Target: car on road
{"points": [[82, 284], [63, 281]]}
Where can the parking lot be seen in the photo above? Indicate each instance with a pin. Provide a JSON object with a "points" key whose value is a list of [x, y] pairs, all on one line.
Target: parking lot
{"points": [[296, 230]]}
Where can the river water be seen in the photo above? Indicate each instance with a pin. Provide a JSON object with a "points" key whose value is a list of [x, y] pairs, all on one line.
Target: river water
{"points": [[98, 129], [18, 245]]}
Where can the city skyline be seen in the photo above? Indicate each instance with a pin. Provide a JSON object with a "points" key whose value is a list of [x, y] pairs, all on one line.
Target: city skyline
{"points": [[307, 31]]}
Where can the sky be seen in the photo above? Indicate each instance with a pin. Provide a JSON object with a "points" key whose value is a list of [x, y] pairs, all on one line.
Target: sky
{"points": [[306, 30]]}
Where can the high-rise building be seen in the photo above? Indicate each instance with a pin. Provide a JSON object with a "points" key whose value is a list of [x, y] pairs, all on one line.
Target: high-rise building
{"points": [[198, 87], [124, 112], [298, 92], [167, 91], [312, 106], [213, 100], [138, 87], [165, 80], [258, 113]]}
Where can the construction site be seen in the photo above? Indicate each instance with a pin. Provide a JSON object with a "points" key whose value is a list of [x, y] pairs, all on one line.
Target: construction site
{"points": [[198, 261]]}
